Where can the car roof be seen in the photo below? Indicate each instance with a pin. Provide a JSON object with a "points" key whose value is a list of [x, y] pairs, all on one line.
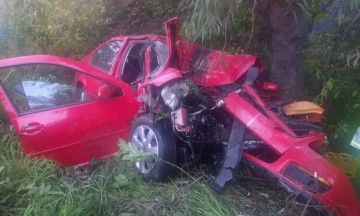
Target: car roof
{"points": [[150, 36]]}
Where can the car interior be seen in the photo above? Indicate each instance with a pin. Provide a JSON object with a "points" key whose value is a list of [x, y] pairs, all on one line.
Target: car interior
{"points": [[133, 69]]}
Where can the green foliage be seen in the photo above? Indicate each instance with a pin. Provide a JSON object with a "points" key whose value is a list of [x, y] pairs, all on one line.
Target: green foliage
{"points": [[19, 179], [39, 187], [314, 9], [68, 28], [333, 76], [73, 28], [353, 57], [4, 120], [348, 12], [317, 9], [203, 201], [209, 18], [247, 33], [130, 153]]}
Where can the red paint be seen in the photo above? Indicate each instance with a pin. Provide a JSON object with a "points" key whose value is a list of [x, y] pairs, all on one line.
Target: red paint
{"points": [[77, 133], [213, 68], [164, 77], [296, 150], [340, 198], [269, 86]]}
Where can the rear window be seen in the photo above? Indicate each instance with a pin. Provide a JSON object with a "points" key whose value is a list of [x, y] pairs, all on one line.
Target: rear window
{"points": [[104, 58]]}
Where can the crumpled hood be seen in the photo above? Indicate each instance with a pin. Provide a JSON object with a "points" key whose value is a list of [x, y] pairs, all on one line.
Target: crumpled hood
{"points": [[211, 67]]}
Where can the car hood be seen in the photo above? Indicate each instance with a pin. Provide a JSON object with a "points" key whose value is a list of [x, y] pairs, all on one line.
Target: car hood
{"points": [[207, 67]]}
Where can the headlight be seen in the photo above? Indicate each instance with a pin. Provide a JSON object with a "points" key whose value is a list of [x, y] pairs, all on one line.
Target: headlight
{"points": [[173, 93]]}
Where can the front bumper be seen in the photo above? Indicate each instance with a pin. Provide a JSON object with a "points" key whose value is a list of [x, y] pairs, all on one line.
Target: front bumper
{"points": [[338, 197]]}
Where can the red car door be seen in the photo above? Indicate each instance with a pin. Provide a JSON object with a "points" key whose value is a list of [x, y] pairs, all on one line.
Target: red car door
{"points": [[40, 95]]}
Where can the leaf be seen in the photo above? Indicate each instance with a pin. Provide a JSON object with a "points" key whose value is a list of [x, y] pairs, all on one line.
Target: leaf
{"points": [[4, 199], [354, 94], [5, 181], [305, 4], [303, 8], [29, 186], [126, 214], [319, 16], [196, 5], [120, 181], [207, 2], [44, 189], [124, 147], [129, 153], [330, 84]]}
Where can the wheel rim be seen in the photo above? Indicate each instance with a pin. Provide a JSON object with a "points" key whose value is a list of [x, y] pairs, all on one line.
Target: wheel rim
{"points": [[145, 140]]}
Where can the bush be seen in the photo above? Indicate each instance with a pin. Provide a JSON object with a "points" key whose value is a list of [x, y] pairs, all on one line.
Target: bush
{"points": [[73, 28], [68, 28], [333, 75]]}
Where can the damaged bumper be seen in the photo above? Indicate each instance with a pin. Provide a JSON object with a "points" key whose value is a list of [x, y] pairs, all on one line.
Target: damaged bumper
{"points": [[302, 171]]}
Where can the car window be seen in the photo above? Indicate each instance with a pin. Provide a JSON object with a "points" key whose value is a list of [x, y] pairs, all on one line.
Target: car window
{"points": [[158, 57], [37, 87], [133, 68], [104, 58]]}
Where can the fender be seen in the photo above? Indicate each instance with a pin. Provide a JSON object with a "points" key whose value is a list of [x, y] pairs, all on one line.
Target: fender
{"points": [[164, 77]]}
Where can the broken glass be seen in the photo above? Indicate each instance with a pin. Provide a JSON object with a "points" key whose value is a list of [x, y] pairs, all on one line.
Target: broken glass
{"points": [[104, 58], [158, 57]]}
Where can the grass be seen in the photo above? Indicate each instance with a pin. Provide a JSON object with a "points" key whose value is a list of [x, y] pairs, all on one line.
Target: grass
{"points": [[111, 187]]}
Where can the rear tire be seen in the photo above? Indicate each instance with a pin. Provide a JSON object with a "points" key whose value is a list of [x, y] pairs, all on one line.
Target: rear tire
{"points": [[155, 137]]}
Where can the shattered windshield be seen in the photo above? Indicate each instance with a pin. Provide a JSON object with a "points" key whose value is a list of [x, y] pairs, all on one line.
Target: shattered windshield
{"points": [[158, 57]]}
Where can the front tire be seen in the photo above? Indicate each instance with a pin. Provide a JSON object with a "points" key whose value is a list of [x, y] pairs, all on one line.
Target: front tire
{"points": [[154, 137]]}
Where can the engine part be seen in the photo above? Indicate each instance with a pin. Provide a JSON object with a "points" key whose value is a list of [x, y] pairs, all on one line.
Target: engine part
{"points": [[180, 120]]}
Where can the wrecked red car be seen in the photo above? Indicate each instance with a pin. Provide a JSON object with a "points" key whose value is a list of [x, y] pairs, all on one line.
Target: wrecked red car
{"points": [[185, 99]]}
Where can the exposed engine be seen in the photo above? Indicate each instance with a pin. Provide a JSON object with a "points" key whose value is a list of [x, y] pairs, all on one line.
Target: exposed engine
{"points": [[195, 119]]}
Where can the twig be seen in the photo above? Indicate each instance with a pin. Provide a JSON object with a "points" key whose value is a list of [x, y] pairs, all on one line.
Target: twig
{"points": [[178, 168], [252, 23]]}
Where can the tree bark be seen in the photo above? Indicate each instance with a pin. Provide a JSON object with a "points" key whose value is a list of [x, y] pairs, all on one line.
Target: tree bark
{"points": [[289, 29]]}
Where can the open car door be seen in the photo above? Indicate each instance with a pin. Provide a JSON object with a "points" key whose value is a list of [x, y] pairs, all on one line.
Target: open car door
{"points": [[172, 36], [57, 120]]}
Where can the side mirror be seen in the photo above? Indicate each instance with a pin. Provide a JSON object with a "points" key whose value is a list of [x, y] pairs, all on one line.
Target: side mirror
{"points": [[105, 92]]}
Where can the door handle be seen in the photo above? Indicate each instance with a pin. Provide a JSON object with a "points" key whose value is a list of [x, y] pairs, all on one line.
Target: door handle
{"points": [[31, 128]]}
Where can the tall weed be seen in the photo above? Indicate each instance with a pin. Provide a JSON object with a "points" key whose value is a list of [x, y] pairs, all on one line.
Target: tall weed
{"points": [[30, 186]]}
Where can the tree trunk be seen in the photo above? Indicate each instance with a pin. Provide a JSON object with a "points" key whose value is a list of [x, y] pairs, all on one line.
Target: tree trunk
{"points": [[289, 30]]}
